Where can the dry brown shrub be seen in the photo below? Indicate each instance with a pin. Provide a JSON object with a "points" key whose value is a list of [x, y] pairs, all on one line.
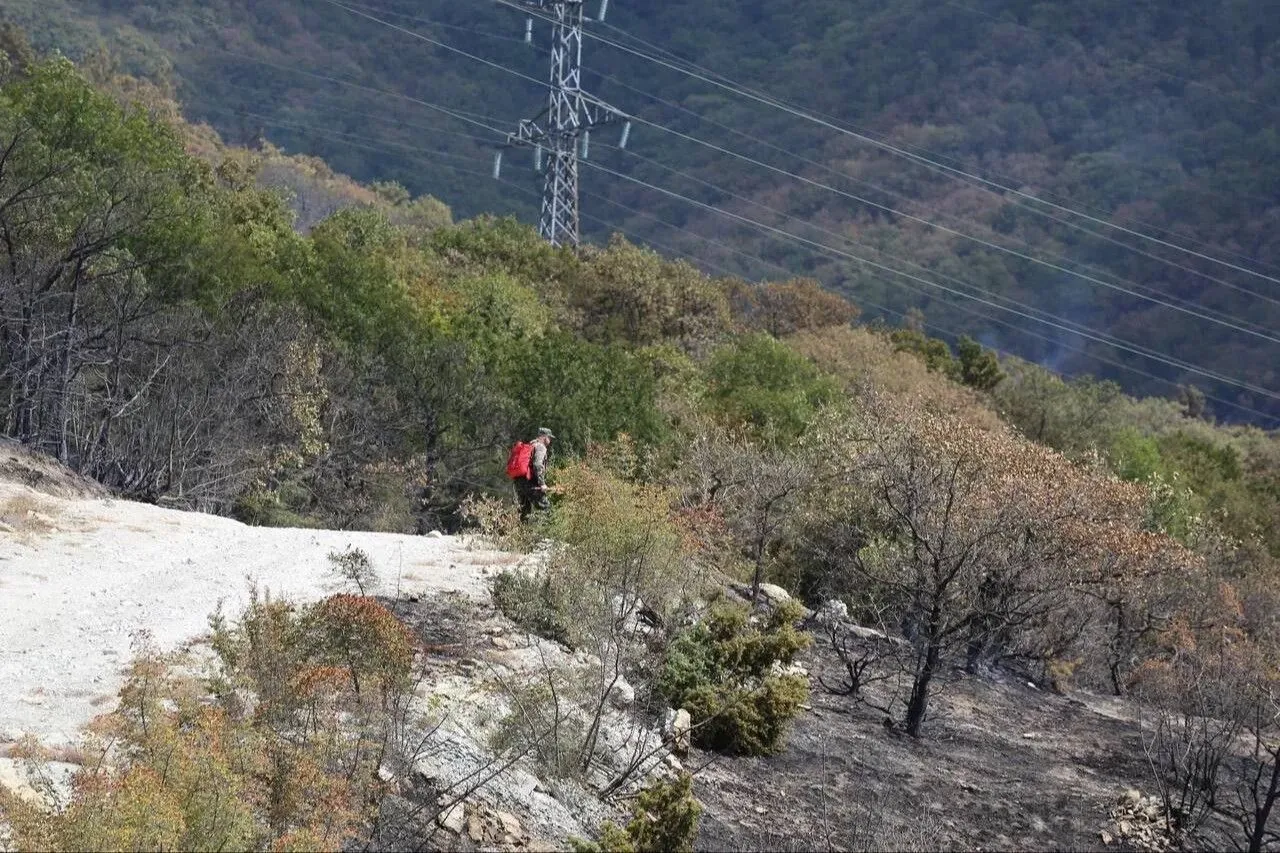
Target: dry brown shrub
{"points": [[979, 543], [309, 704], [864, 358], [28, 514]]}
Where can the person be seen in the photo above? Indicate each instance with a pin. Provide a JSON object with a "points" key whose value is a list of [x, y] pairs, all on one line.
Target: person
{"points": [[532, 491]]}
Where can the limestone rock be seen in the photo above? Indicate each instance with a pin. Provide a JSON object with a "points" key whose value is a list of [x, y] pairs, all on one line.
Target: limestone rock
{"points": [[677, 729], [454, 819], [867, 633], [475, 827], [790, 669], [510, 824], [774, 594], [832, 612], [622, 695], [1140, 822]]}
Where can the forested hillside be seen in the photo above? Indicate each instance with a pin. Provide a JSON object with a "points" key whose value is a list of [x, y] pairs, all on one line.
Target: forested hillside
{"points": [[250, 333], [1159, 117]]}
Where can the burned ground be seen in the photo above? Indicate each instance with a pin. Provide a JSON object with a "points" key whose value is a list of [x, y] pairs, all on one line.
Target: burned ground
{"points": [[1003, 766]]}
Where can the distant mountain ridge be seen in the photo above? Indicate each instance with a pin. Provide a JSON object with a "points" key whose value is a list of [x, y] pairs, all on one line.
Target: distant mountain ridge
{"points": [[1164, 118]]}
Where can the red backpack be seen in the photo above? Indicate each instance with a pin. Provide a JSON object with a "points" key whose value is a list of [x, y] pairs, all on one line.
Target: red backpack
{"points": [[518, 467]]}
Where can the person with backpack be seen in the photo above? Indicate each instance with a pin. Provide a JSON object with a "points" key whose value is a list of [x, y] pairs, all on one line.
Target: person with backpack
{"points": [[527, 468]]}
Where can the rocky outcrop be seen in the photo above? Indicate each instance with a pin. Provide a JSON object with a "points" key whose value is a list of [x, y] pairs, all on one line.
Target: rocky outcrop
{"points": [[1140, 822]]}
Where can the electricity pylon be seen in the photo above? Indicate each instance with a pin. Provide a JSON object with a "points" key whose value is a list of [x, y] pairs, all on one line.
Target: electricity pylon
{"points": [[563, 130]]}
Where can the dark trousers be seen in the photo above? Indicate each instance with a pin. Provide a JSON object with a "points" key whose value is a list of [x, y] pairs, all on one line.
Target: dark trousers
{"points": [[530, 497]]}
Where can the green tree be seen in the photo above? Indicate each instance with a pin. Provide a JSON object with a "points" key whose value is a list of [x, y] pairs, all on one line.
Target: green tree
{"points": [[588, 392], [979, 367], [108, 224], [1133, 455], [932, 351], [761, 384]]}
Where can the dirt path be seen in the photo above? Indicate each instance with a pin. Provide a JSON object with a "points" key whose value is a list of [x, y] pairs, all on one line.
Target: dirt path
{"points": [[79, 577]]}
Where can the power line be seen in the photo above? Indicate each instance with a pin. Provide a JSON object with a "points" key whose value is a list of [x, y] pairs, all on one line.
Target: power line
{"points": [[1020, 204], [559, 196], [985, 243], [768, 100], [461, 115], [780, 105], [708, 240], [822, 247], [312, 128], [759, 163], [1125, 344], [862, 300], [1156, 357], [828, 169], [1263, 416], [1172, 263], [1128, 347], [678, 58], [358, 142], [916, 155], [419, 19], [640, 241]]}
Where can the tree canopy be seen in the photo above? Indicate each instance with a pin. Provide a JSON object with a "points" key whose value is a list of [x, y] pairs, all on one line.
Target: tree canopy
{"points": [[1160, 118]]}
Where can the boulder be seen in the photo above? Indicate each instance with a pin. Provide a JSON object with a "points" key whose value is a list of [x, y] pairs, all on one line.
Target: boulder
{"points": [[833, 612], [622, 695], [677, 730], [774, 594], [453, 819]]}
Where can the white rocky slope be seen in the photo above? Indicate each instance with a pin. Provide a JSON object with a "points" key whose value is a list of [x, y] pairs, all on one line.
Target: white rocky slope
{"points": [[80, 577], [83, 577]]}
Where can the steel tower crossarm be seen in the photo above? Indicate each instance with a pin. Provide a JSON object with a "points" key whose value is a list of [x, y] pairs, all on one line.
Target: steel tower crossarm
{"points": [[570, 116]]}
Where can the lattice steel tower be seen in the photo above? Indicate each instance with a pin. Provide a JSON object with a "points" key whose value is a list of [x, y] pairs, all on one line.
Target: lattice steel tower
{"points": [[565, 129]]}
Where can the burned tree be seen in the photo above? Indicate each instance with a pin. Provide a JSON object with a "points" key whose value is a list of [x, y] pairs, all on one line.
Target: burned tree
{"points": [[968, 538]]}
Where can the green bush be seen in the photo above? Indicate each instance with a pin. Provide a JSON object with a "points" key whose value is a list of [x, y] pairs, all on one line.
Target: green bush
{"points": [[664, 818], [546, 723], [1134, 456], [979, 366], [728, 673], [532, 603], [269, 509], [934, 352]]}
